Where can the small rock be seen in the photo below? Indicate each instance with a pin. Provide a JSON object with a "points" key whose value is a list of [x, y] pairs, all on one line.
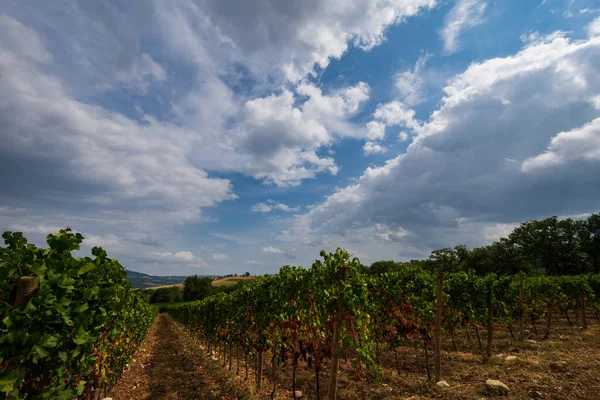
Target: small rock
{"points": [[558, 365], [496, 387], [531, 341], [442, 384], [298, 394], [499, 358], [564, 339], [526, 333], [511, 359], [107, 398]]}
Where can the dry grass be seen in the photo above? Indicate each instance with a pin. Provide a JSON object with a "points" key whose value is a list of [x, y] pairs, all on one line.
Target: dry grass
{"points": [[232, 280], [179, 285]]}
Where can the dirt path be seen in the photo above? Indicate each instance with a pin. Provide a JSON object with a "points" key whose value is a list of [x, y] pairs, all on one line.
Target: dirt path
{"points": [[166, 366]]}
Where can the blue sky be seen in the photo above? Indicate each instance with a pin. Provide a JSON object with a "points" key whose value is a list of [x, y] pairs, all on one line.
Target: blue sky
{"points": [[213, 137]]}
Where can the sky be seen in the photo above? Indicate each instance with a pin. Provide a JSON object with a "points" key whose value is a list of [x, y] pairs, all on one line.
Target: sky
{"points": [[219, 136]]}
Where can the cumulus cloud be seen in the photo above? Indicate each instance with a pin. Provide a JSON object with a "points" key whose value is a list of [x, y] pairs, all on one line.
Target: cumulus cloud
{"points": [[581, 143], [594, 27], [41, 229], [180, 255], [374, 148], [375, 130], [464, 15], [459, 179], [85, 142], [291, 39], [396, 113], [271, 249], [220, 257], [271, 205]]}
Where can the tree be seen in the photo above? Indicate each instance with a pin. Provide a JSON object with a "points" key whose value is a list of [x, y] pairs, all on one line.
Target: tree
{"points": [[588, 232], [196, 288], [166, 295], [550, 245], [381, 267]]}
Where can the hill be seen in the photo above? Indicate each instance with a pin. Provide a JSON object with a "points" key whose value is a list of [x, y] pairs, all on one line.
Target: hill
{"points": [[231, 280], [143, 281]]}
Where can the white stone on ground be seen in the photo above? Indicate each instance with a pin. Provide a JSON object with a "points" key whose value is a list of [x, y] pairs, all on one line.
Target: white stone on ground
{"points": [[496, 387]]}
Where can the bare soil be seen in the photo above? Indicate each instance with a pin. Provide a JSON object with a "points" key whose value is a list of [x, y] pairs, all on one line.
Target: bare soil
{"points": [[179, 367], [167, 366]]}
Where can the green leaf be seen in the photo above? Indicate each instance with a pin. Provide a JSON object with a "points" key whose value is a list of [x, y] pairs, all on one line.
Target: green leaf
{"points": [[86, 268], [82, 308], [80, 387], [8, 380], [43, 353], [49, 341]]}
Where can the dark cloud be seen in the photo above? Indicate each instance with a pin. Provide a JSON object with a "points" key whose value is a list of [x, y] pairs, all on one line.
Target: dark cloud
{"points": [[148, 241]]}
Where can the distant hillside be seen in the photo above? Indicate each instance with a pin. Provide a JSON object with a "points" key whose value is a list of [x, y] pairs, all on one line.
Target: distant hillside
{"points": [[142, 281], [232, 280]]}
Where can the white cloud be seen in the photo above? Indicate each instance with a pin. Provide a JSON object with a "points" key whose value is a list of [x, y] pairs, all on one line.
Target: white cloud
{"points": [[220, 257], [271, 205], [108, 241], [464, 15], [254, 262], [86, 142], [140, 75], [374, 148], [304, 35], [271, 249], [375, 130], [283, 139], [581, 143], [409, 84], [41, 229], [180, 255], [589, 10], [496, 231], [396, 113], [594, 27], [454, 184]]}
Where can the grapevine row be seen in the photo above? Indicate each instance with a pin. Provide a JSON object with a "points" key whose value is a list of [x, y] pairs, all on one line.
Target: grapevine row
{"points": [[70, 335], [310, 317]]}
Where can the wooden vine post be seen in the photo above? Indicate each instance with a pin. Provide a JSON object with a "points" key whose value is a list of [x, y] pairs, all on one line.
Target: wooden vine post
{"points": [[26, 286], [437, 334], [335, 345], [490, 318], [259, 367]]}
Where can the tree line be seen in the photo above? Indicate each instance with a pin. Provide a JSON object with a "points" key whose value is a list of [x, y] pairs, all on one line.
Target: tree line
{"points": [[550, 246]]}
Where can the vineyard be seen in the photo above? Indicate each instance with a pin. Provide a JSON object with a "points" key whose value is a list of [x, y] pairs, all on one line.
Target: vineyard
{"points": [[311, 319], [69, 324]]}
